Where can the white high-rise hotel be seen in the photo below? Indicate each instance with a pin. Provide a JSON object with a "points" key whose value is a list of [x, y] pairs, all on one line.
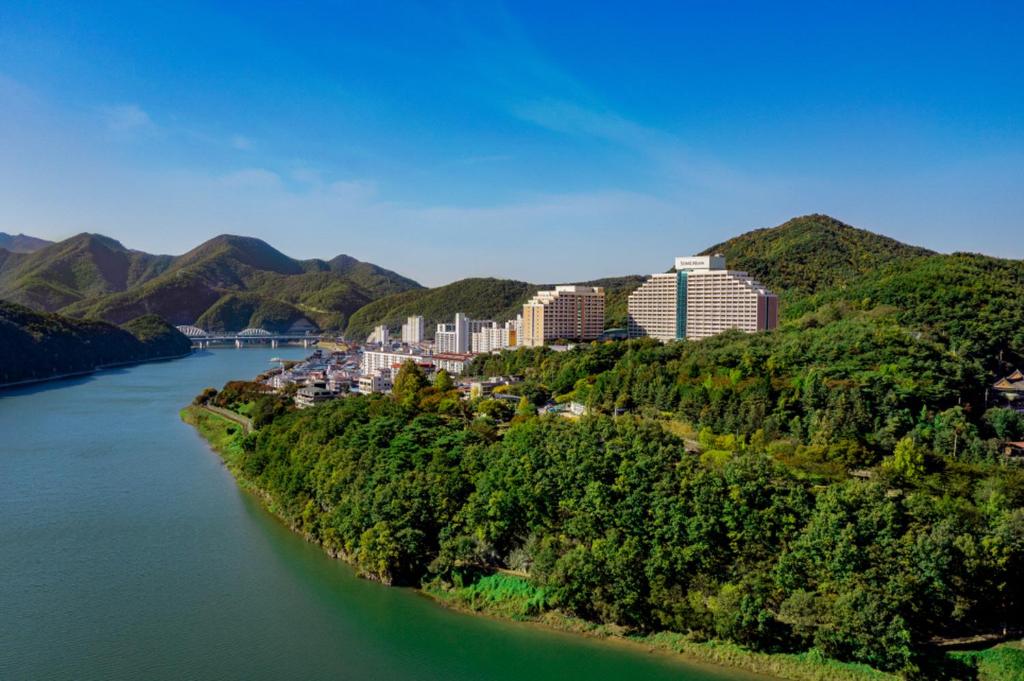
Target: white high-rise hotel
{"points": [[700, 298]]}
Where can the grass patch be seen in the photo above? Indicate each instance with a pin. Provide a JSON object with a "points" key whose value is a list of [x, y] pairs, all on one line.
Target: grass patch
{"points": [[224, 436], [512, 597], [1000, 663], [497, 594]]}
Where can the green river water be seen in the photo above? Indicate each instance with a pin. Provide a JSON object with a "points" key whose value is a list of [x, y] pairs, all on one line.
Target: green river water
{"points": [[128, 552]]}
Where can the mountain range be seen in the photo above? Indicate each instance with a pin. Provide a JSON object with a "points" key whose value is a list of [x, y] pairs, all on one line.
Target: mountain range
{"points": [[21, 243], [225, 284], [232, 282]]}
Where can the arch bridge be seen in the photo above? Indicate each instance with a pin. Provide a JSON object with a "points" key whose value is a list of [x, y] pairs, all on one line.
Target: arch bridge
{"points": [[203, 339]]}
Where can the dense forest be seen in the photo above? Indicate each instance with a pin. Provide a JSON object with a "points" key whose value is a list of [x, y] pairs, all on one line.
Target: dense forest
{"points": [[36, 346], [616, 520]]}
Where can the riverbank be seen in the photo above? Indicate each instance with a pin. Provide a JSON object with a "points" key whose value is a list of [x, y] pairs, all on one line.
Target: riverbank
{"points": [[89, 372], [509, 597]]}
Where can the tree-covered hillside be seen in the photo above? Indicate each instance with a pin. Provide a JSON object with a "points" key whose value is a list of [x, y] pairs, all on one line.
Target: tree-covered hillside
{"points": [[811, 253], [83, 267], [226, 284], [480, 298], [35, 346]]}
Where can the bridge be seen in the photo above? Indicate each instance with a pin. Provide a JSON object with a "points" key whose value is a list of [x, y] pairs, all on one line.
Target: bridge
{"points": [[203, 339]]}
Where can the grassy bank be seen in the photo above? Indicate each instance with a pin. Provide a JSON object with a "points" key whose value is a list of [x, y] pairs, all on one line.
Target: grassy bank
{"points": [[223, 435], [512, 597]]}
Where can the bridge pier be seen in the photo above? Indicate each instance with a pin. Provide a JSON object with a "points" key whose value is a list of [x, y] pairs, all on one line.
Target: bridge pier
{"points": [[238, 342], [305, 342], [273, 343]]}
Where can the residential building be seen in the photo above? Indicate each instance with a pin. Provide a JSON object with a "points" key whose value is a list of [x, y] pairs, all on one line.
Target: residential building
{"points": [[570, 312], [377, 382], [700, 298], [452, 362], [381, 334], [1011, 390], [312, 395], [457, 337], [375, 360], [493, 337], [412, 330]]}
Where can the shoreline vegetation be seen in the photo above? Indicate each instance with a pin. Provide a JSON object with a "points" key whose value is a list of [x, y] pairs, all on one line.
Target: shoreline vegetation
{"points": [[90, 372], [830, 499], [506, 595], [37, 347]]}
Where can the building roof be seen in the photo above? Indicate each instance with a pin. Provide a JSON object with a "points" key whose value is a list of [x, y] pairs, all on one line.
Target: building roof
{"points": [[453, 356]]}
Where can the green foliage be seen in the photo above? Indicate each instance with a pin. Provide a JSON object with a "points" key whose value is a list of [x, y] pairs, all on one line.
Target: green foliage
{"points": [[614, 522], [443, 381], [501, 594], [1001, 663], [36, 346], [907, 461], [84, 266], [812, 253], [408, 383]]}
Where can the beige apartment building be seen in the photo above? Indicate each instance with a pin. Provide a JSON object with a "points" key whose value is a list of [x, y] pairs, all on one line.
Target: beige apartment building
{"points": [[700, 298], [569, 312]]}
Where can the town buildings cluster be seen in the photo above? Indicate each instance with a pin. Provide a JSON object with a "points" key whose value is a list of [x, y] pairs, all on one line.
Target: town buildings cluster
{"points": [[698, 298]]}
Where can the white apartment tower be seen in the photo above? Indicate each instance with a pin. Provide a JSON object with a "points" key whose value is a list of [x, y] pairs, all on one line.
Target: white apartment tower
{"points": [[457, 337], [569, 312], [700, 298], [412, 330], [493, 337], [381, 334]]}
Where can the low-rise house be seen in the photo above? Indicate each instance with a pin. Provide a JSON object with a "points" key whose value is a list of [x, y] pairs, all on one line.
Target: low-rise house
{"points": [[311, 395], [377, 382], [1011, 390]]}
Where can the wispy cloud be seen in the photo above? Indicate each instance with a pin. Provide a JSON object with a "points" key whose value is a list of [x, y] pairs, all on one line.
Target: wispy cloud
{"points": [[123, 118], [241, 142], [251, 178]]}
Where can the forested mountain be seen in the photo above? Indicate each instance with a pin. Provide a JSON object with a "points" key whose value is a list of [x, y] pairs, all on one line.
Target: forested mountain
{"points": [[811, 253], [85, 266], [36, 346], [225, 284], [480, 298], [21, 243]]}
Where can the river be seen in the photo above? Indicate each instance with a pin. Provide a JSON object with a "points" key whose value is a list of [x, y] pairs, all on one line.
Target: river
{"points": [[128, 552]]}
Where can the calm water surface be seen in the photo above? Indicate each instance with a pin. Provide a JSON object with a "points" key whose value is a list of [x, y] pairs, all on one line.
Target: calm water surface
{"points": [[128, 552]]}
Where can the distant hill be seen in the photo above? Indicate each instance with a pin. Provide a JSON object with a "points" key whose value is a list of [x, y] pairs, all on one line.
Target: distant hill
{"points": [[84, 266], [225, 284], [37, 346], [480, 298], [21, 243], [811, 253]]}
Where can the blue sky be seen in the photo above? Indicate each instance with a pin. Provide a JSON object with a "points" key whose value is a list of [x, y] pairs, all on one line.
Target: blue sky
{"points": [[447, 140]]}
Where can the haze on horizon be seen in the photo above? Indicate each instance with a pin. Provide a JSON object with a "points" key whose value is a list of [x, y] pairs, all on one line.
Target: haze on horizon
{"points": [[539, 142]]}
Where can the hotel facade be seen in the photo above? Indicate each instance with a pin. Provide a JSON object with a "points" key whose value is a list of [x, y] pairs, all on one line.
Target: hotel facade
{"points": [[700, 298], [569, 312]]}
